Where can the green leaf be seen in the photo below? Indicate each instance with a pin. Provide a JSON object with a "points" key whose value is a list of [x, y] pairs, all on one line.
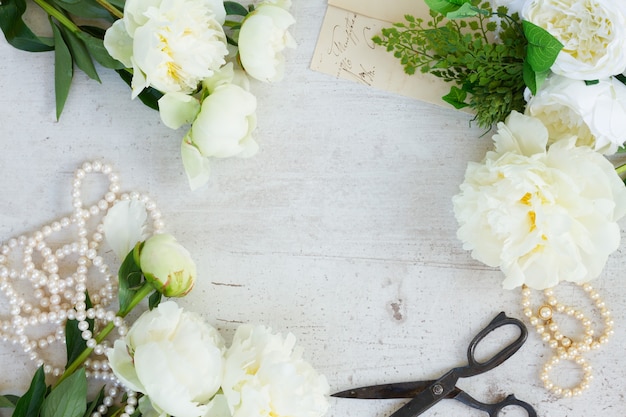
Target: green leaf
{"points": [[15, 30], [96, 402], [63, 70], [154, 300], [80, 53], [621, 78], [592, 82], [543, 48], [532, 79], [118, 3], [89, 9], [68, 399], [98, 51], [129, 276], [8, 401], [467, 10], [150, 96], [456, 97], [74, 342], [445, 6], [30, 403], [235, 9]]}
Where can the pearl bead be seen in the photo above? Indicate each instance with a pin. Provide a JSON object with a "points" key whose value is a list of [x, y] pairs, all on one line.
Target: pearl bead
{"points": [[566, 348], [58, 294]]}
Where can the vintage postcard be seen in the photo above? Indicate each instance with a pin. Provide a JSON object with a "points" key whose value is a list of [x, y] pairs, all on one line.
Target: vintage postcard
{"points": [[345, 49]]}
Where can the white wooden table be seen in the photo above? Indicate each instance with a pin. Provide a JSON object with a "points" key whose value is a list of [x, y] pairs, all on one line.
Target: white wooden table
{"points": [[340, 230]]}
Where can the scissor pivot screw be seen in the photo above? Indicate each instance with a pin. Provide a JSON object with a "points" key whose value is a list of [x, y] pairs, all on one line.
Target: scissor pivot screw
{"points": [[437, 389]]}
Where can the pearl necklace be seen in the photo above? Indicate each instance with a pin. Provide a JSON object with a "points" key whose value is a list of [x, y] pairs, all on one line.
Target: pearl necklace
{"points": [[565, 347], [45, 286]]}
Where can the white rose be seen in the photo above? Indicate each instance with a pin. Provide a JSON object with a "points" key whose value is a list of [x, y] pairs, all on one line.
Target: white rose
{"points": [[173, 357], [262, 40], [265, 375], [171, 45], [542, 216], [593, 33], [595, 114]]}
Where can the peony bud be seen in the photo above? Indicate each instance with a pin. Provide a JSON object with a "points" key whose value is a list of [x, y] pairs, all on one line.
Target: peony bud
{"points": [[167, 265]]}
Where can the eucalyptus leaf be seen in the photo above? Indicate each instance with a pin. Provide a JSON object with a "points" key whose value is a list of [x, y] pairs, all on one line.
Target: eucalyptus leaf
{"points": [[80, 53], [63, 70], [543, 48], [16, 32], [99, 52], [68, 399], [8, 401], [456, 97], [30, 403], [235, 9]]}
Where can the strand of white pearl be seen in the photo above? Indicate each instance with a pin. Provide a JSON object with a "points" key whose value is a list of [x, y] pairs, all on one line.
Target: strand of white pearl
{"points": [[64, 298], [566, 348]]}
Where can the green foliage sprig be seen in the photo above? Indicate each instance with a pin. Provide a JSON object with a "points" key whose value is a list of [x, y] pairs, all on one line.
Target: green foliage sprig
{"points": [[489, 63], [81, 46]]}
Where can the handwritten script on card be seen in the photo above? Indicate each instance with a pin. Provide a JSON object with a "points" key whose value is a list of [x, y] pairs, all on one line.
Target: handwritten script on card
{"points": [[345, 49]]}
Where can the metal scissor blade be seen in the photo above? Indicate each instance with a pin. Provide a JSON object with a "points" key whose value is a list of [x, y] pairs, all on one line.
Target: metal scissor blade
{"points": [[385, 391], [430, 395]]}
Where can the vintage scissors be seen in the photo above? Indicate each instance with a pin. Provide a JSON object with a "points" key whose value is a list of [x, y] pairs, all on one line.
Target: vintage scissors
{"points": [[425, 394]]}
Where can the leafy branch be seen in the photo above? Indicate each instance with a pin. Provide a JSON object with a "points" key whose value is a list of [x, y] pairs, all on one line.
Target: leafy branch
{"points": [[73, 45], [490, 57]]}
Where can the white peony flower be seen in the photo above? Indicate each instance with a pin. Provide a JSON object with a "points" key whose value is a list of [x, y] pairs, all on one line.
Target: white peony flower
{"points": [[595, 114], [224, 126], [263, 37], [173, 357], [124, 226], [171, 45], [542, 216], [225, 123], [167, 265], [593, 33], [265, 376]]}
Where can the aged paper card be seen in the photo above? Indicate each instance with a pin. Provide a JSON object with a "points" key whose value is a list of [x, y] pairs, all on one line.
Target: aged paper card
{"points": [[345, 49]]}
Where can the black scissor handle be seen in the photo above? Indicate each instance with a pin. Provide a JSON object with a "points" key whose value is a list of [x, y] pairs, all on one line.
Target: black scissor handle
{"points": [[474, 366], [494, 409]]}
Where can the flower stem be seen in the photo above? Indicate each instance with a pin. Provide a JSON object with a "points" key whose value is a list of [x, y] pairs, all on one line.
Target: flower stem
{"points": [[143, 292], [621, 170], [110, 8], [59, 16]]}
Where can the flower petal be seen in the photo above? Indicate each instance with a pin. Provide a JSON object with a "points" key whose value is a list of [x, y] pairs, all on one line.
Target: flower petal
{"points": [[196, 165], [177, 109], [125, 225]]}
